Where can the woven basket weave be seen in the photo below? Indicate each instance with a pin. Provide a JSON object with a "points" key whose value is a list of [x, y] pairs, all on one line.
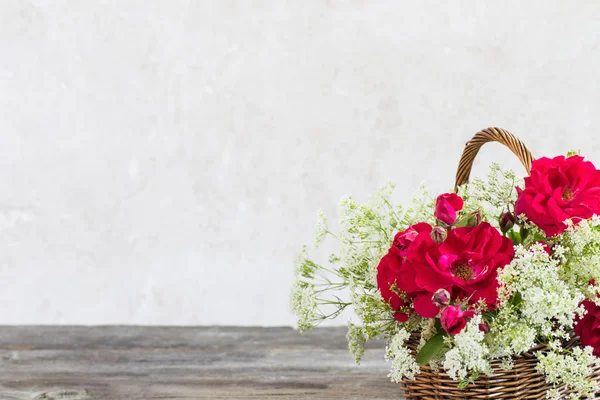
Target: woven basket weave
{"points": [[522, 381]]}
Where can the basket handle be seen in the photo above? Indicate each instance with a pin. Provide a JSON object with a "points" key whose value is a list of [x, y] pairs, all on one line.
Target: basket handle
{"points": [[490, 135]]}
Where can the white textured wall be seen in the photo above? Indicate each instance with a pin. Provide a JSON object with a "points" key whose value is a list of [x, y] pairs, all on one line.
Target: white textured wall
{"points": [[161, 161]]}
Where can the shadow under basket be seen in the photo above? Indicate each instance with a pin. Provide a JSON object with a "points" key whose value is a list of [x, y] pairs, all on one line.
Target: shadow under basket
{"points": [[522, 382]]}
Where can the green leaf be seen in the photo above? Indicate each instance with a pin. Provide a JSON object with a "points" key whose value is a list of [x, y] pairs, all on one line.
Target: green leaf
{"points": [[471, 379], [430, 349], [490, 315], [460, 222], [515, 237], [516, 299], [471, 219]]}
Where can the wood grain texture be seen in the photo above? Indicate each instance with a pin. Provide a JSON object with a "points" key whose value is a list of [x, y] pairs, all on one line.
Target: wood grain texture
{"points": [[81, 363]]}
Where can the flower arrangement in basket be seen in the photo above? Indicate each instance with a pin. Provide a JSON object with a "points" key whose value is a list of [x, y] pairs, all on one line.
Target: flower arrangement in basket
{"points": [[491, 291]]}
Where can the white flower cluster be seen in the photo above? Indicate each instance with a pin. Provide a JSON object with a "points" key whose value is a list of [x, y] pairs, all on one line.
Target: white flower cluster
{"points": [[510, 334], [365, 236], [321, 229], [569, 369], [403, 362], [356, 341], [304, 304], [546, 302], [469, 356], [491, 196], [579, 253]]}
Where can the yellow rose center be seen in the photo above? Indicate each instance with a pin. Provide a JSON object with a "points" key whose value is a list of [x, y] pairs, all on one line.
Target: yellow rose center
{"points": [[567, 193], [464, 272]]}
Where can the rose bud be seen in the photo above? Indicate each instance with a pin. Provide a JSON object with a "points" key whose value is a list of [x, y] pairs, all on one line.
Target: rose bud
{"points": [[453, 319], [507, 221], [473, 219], [438, 234], [441, 297], [446, 207], [484, 327]]}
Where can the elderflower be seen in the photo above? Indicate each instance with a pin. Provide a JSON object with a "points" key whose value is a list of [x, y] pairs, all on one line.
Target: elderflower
{"points": [[304, 304], [510, 334], [356, 341], [492, 196], [403, 363], [304, 267], [570, 369], [468, 358], [580, 252], [321, 230], [420, 209], [545, 299]]}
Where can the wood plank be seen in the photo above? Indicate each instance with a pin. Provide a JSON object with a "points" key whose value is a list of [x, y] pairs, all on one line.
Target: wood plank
{"points": [[80, 363]]}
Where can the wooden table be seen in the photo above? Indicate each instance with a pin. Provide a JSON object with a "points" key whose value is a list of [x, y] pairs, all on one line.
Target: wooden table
{"points": [[72, 363]]}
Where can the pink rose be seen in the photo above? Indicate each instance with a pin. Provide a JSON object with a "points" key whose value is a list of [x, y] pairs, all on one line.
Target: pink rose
{"points": [[446, 207], [454, 319]]}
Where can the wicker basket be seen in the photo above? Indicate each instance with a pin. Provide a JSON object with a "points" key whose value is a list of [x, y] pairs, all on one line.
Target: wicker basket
{"points": [[522, 381]]}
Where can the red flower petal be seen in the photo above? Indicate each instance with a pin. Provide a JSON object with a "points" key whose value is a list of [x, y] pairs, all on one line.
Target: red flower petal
{"points": [[400, 317], [558, 189], [424, 306]]}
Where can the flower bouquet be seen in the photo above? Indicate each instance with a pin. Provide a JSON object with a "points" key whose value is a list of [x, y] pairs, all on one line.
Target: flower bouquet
{"points": [[491, 291]]}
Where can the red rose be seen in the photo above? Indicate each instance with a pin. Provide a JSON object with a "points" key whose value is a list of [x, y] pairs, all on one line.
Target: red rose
{"points": [[453, 319], [403, 239], [465, 264], [588, 327], [388, 270], [559, 189], [446, 207]]}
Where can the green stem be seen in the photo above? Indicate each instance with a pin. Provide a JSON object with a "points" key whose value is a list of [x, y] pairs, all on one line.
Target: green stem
{"points": [[393, 211], [328, 232]]}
